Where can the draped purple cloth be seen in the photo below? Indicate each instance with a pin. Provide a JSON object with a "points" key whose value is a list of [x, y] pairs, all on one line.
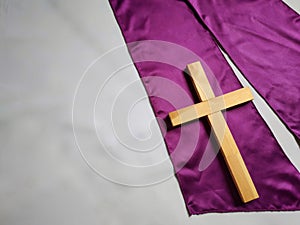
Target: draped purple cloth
{"points": [[263, 40]]}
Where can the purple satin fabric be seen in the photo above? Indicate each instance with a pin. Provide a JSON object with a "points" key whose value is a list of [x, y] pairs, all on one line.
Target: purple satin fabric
{"points": [[179, 22], [263, 40]]}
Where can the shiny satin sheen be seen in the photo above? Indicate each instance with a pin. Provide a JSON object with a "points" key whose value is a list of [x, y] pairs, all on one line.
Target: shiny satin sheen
{"points": [[263, 40]]}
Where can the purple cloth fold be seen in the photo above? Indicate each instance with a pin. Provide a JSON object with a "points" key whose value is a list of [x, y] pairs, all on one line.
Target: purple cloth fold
{"points": [[263, 39], [266, 65]]}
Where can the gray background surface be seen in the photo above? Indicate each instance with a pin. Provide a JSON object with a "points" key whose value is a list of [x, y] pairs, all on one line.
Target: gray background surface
{"points": [[45, 48]]}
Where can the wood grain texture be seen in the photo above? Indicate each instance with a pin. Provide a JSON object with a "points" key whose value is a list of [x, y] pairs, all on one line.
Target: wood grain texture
{"points": [[229, 149], [210, 106]]}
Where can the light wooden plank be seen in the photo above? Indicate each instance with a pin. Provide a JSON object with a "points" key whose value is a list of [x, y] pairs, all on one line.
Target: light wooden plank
{"points": [[210, 106], [229, 149]]}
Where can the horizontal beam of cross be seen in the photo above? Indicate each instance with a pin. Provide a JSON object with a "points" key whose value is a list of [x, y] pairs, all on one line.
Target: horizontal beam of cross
{"points": [[210, 106]]}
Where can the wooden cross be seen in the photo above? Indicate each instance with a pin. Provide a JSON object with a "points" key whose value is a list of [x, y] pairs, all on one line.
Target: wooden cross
{"points": [[211, 107]]}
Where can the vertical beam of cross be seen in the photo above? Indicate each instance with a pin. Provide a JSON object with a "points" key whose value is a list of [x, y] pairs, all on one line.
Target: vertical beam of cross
{"points": [[229, 149]]}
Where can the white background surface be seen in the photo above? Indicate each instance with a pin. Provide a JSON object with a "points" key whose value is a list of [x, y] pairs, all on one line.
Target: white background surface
{"points": [[45, 47]]}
